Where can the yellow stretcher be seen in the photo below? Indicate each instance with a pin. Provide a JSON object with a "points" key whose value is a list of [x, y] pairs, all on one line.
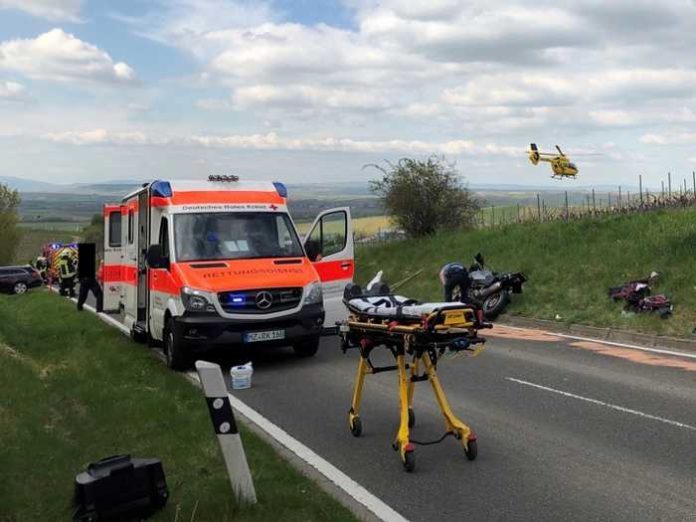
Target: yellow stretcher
{"points": [[420, 334]]}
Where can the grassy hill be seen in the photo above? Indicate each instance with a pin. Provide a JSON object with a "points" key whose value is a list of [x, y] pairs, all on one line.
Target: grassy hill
{"points": [[569, 265]]}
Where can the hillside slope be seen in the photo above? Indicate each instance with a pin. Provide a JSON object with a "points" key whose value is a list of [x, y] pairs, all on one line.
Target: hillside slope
{"points": [[569, 265]]}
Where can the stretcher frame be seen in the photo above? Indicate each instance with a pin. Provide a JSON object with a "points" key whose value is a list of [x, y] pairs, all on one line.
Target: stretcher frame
{"points": [[452, 329]]}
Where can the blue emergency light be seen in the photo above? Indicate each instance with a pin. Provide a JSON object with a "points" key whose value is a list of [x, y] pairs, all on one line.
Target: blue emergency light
{"points": [[281, 188], [161, 189]]}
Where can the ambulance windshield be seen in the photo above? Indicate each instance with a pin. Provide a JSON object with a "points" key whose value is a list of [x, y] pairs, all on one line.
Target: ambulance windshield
{"points": [[234, 235]]}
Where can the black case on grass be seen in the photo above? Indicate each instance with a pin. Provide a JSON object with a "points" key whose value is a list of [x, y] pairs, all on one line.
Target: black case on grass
{"points": [[120, 488]]}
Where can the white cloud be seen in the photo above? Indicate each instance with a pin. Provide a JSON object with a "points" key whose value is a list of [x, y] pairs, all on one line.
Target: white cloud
{"points": [[12, 91], [104, 137], [54, 10], [60, 56], [271, 141], [672, 138], [213, 104]]}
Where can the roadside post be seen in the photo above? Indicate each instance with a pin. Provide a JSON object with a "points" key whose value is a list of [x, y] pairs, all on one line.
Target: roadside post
{"points": [[225, 427]]}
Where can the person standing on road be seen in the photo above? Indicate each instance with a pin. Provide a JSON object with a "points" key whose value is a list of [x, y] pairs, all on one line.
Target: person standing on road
{"points": [[90, 283], [454, 275]]}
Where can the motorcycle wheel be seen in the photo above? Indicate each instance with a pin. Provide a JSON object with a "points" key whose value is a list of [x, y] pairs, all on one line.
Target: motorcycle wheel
{"points": [[494, 304]]}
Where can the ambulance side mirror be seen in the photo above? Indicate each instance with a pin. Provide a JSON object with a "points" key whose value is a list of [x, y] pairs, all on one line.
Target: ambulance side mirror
{"points": [[156, 258]]}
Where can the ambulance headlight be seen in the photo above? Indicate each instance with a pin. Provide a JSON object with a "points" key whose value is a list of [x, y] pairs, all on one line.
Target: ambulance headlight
{"points": [[197, 300], [313, 294]]}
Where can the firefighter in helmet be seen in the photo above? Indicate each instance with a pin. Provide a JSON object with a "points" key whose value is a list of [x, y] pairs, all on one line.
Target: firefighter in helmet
{"points": [[67, 271]]}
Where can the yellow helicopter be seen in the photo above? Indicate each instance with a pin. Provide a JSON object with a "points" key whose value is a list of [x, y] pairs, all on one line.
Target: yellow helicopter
{"points": [[560, 163]]}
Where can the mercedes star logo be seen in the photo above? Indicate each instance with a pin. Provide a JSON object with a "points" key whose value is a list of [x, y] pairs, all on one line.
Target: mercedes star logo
{"points": [[264, 300]]}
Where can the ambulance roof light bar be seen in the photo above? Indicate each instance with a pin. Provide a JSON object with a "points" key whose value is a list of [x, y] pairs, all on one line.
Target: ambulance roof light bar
{"points": [[219, 177]]}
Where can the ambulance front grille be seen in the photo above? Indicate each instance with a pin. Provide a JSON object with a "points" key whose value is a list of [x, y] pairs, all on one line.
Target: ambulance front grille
{"points": [[260, 301]]}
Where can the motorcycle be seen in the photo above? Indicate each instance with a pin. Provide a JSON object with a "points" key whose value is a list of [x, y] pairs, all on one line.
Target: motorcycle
{"points": [[489, 290]]}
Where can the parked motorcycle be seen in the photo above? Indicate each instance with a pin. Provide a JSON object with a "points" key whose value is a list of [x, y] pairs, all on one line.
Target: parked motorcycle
{"points": [[489, 290]]}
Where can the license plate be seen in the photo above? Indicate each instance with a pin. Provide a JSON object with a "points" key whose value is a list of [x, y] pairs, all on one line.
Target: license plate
{"points": [[271, 335], [457, 317]]}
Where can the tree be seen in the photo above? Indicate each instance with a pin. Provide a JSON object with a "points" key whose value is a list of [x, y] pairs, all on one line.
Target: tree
{"points": [[423, 197], [10, 233]]}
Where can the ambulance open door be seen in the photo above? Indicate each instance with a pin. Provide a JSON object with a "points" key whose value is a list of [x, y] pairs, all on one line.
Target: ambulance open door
{"points": [[329, 245], [111, 270]]}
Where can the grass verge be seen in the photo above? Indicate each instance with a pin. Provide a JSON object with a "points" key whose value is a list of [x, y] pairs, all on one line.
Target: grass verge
{"points": [[76, 390], [569, 265]]}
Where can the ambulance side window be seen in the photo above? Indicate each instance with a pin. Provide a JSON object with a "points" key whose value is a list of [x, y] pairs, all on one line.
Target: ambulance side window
{"points": [[164, 237], [328, 236], [334, 228], [115, 229], [130, 227]]}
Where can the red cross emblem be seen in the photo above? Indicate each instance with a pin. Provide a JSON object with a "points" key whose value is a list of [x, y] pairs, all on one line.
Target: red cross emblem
{"points": [[273, 207]]}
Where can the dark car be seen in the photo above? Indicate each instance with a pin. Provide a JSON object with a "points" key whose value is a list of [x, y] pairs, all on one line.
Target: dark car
{"points": [[18, 279]]}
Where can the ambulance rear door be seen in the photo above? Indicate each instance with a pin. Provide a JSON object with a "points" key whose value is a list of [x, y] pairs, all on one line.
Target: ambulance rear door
{"points": [[329, 245], [111, 269]]}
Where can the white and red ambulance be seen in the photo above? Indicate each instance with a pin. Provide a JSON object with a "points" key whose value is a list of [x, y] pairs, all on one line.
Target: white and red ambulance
{"points": [[196, 264]]}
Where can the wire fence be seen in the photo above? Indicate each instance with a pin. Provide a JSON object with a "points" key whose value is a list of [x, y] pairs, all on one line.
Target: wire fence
{"points": [[567, 206]]}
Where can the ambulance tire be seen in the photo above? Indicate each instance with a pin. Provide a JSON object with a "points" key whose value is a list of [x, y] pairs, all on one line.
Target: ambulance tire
{"points": [[307, 347], [175, 352]]}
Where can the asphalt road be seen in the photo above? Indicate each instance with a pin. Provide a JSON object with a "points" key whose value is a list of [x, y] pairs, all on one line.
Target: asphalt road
{"points": [[543, 455], [566, 430]]}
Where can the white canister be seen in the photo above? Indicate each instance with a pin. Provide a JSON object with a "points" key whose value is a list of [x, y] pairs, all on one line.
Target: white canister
{"points": [[241, 376]]}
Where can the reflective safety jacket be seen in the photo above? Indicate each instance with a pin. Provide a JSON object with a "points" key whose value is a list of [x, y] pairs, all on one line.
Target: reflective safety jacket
{"points": [[66, 268]]}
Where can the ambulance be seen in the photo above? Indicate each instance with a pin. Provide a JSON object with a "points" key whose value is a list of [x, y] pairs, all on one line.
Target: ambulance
{"points": [[198, 264]]}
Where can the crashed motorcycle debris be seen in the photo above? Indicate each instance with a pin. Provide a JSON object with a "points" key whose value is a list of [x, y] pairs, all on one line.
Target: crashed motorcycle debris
{"points": [[637, 298]]}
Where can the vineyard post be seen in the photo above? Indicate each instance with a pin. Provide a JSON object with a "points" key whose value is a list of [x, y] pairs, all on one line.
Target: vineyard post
{"points": [[619, 197], [669, 184], [539, 207], [640, 187], [566, 205], [594, 204]]}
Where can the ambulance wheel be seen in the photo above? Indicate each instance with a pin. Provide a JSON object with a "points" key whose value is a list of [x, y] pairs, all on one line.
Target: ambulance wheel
{"points": [[307, 347], [472, 450], [356, 427], [411, 418], [409, 461], [20, 288], [174, 348]]}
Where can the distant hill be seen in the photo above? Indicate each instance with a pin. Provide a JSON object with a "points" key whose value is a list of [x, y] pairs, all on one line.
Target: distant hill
{"points": [[28, 185]]}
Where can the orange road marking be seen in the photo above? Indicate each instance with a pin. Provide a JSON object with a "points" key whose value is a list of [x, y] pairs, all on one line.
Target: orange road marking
{"points": [[522, 334], [636, 356]]}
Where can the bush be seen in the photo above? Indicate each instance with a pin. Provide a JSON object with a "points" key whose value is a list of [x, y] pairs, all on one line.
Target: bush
{"points": [[9, 231], [423, 197]]}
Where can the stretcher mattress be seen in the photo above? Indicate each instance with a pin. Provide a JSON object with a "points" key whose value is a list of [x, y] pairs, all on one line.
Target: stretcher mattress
{"points": [[397, 306]]}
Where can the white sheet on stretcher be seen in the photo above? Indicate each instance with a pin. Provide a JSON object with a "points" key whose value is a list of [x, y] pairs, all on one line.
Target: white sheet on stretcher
{"points": [[386, 306]]}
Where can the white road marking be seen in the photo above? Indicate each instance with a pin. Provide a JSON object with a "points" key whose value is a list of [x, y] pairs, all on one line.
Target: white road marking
{"points": [[605, 404], [610, 343], [357, 492]]}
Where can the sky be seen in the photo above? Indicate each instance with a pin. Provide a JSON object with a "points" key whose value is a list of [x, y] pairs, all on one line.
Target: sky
{"points": [[313, 91]]}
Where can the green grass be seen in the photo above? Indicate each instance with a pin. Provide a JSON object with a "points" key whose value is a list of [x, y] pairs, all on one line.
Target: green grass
{"points": [[75, 390], [33, 239], [569, 265]]}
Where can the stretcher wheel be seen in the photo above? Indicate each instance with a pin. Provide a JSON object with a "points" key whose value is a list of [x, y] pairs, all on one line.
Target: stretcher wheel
{"points": [[411, 418], [472, 450], [356, 427], [409, 461]]}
